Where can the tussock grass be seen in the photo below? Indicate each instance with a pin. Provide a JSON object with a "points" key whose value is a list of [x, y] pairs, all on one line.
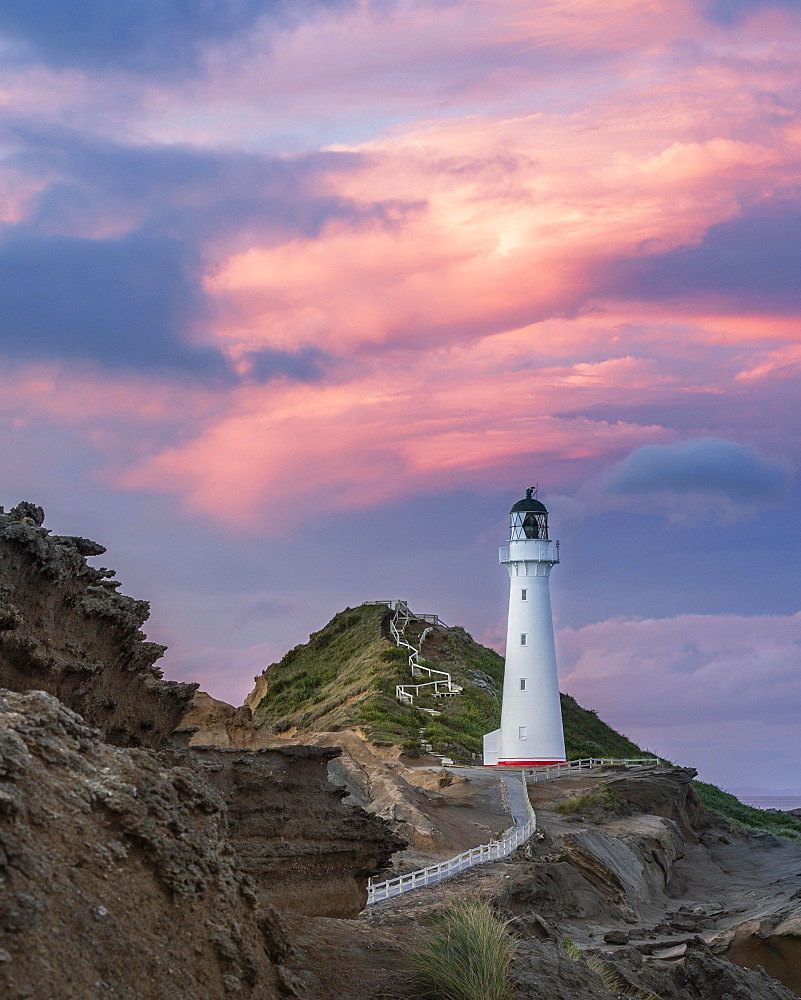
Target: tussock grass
{"points": [[603, 798], [466, 957], [611, 980]]}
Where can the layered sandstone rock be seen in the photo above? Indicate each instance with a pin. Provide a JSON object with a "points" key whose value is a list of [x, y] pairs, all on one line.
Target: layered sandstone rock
{"points": [[64, 629], [305, 850], [209, 722], [118, 877], [383, 788]]}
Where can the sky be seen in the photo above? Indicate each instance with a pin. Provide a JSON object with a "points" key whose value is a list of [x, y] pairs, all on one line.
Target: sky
{"points": [[297, 298]]}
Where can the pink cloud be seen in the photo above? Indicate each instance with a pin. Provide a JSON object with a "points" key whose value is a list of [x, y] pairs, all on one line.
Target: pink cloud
{"points": [[513, 223], [718, 692], [390, 434], [462, 308], [726, 668], [782, 363]]}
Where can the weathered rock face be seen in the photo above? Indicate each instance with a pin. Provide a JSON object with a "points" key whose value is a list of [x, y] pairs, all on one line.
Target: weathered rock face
{"points": [[305, 850], [383, 788], [660, 791], [544, 972], [64, 629], [212, 723], [118, 879], [627, 868], [771, 941]]}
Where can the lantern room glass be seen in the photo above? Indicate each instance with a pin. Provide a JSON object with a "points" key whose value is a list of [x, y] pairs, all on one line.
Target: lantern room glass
{"points": [[528, 524]]}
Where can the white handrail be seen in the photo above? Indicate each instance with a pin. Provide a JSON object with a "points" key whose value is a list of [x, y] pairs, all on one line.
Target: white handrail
{"points": [[548, 771], [405, 693], [379, 891]]}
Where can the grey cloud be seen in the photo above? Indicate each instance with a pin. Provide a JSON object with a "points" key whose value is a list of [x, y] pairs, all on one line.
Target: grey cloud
{"points": [[157, 38], [126, 302], [750, 263], [700, 466], [731, 11]]}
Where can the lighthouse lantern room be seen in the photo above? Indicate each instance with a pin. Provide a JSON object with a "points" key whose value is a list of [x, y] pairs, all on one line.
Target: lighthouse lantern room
{"points": [[531, 730]]}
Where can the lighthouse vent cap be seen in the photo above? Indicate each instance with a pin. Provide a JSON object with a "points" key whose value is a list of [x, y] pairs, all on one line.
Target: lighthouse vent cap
{"points": [[529, 504]]}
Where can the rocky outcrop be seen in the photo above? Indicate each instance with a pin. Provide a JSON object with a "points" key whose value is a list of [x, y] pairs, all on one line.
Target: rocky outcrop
{"points": [[64, 629], [543, 971], [212, 723], [628, 865], [118, 878], [660, 791], [771, 941], [384, 788], [305, 850], [370, 783], [254, 698]]}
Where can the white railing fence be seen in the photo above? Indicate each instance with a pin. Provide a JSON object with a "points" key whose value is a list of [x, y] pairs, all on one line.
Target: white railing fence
{"points": [[443, 686], [379, 891], [549, 771]]}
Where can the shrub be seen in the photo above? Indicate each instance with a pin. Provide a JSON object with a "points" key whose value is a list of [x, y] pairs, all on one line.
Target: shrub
{"points": [[467, 956], [603, 799]]}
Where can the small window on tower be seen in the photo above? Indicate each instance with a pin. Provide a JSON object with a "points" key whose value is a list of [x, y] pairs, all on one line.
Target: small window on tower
{"points": [[521, 730], [522, 683], [523, 596], [522, 638]]}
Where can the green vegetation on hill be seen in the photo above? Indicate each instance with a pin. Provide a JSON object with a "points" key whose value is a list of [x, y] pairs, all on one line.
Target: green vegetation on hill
{"points": [[344, 677], [748, 817]]}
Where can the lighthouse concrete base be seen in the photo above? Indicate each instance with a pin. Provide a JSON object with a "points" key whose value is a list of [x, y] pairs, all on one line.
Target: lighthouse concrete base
{"points": [[492, 748]]}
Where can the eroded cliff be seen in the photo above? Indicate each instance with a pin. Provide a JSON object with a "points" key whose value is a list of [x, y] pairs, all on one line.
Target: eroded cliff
{"points": [[305, 850], [64, 629], [118, 877], [119, 839]]}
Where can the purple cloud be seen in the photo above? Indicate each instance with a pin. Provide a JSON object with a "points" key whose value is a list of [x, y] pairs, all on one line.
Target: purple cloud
{"points": [[729, 12], [145, 37], [750, 263], [701, 466]]}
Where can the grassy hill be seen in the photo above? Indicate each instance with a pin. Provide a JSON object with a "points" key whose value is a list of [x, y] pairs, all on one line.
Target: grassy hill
{"points": [[747, 817], [344, 677]]}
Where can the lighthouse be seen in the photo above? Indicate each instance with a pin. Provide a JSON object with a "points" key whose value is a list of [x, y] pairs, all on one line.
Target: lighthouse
{"points": [[531, 716]]}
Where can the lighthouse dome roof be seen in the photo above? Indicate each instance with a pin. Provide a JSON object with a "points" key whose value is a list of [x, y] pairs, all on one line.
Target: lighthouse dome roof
{"points": [[530, 504]]}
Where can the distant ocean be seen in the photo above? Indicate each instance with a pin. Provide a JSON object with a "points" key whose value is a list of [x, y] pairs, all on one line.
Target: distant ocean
{"points": [[783, 802]]}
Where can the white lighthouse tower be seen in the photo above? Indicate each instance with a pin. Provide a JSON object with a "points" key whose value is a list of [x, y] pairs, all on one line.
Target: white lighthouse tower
{"points": [[531, 716]]}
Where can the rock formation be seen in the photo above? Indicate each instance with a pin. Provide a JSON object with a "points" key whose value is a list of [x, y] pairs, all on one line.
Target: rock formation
{"points": [[303, 848], [64, 629], [136, 866], [384, 788], [209, 722], [656, 911], [118, 877]]}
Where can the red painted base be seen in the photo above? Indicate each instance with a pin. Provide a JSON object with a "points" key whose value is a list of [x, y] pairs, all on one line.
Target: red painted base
{"points": [[524, 763]]}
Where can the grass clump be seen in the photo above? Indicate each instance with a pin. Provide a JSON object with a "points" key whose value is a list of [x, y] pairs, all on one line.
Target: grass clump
{"points": [[747, 817], [611, 979], [600, 799], [467, 956]]}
